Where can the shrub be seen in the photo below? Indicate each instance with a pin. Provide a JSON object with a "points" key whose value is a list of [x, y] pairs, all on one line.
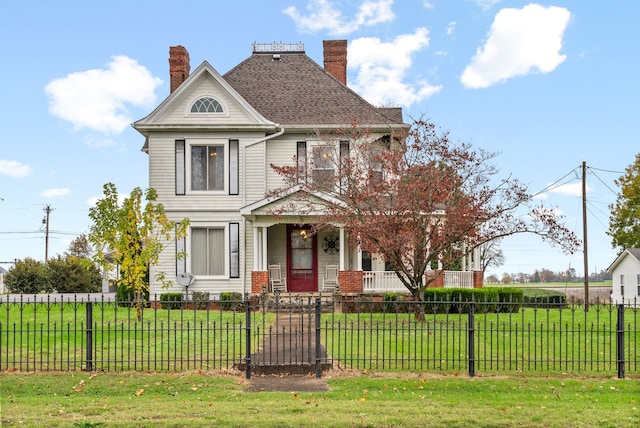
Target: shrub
{"points": [[171, 300], [510, 300], [456, 300], [125, 295], [541, 298], [231, 301], [200, 299]]}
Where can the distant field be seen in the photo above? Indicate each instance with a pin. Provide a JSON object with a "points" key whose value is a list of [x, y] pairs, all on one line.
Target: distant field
{"points": [[552, 284]]}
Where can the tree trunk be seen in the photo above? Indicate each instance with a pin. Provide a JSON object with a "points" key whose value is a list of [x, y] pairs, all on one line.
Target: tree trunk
{"points": [[418, 304]]}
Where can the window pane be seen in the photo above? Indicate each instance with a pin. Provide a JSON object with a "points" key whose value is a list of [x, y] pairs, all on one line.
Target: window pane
{"points": [[216, 251], [198, 168], [216, 168], [199, 251]]}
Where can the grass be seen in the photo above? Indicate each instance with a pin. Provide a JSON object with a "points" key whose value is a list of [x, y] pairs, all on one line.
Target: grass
{"points": [[540, 340], [368, 400], [53, 337]]}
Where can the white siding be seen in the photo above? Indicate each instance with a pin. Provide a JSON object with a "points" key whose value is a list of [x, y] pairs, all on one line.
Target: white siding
{"points": [[629, 268]]}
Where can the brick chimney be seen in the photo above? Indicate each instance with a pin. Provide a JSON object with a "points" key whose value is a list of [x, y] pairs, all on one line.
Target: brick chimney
{"points": [[179, 66], [335, 59]]}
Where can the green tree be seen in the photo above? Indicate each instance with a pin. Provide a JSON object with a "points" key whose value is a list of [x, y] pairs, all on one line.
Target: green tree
{"points": [[80, 247], [624, 221], [132, 235], [72, 274], [27, 276]]}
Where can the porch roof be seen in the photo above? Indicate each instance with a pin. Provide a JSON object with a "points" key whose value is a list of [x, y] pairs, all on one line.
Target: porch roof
{"points": [[289, 204]]}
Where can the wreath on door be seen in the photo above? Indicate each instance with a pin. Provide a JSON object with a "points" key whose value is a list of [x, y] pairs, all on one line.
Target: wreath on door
{"points": [[331, 244]]}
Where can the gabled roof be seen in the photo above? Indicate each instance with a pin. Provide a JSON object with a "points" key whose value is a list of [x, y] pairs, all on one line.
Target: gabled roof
{"points": [[632, 252], [291, 89], [261, 207], [205, 70]]}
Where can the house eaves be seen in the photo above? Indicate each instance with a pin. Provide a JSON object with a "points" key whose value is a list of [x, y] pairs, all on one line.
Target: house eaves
{"points": [[631, 252]]}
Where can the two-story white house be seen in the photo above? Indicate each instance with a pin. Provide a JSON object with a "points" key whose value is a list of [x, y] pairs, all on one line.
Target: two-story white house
{"points": [[211, 144]]}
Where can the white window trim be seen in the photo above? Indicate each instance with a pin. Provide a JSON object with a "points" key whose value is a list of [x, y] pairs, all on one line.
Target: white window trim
{"points": [[188, 143], [227, 249]]}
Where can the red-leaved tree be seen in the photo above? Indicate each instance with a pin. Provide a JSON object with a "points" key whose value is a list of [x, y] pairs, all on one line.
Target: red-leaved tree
{"points": [[417, 198]]}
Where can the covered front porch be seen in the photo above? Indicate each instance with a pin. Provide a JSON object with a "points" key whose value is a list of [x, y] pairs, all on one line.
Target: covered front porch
{"points": [[304, 259], [280, 241]]}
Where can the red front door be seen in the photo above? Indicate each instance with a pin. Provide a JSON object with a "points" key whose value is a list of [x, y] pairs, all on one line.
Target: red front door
{"points": [[302, 273]]}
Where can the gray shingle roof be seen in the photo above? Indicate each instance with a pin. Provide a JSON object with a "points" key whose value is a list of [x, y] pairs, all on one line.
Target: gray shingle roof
{"points": [[294, 90]]}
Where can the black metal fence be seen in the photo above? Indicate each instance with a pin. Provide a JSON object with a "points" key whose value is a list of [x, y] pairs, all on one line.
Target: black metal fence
{"points": [[291, 333]]}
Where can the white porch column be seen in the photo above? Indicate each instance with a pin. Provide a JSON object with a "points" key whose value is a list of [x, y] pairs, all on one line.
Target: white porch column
{"points": [[264, 248], [476, 258], [342, 249], [359, 264], [256, 248]]}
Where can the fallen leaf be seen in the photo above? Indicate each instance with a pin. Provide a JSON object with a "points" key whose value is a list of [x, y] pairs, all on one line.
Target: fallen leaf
{"points": [[140, 392]]}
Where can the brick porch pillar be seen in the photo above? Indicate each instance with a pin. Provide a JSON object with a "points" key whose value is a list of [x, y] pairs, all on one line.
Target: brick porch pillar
{"points": [[478, 279], [350, 281], [438, 282], [258, 279]]}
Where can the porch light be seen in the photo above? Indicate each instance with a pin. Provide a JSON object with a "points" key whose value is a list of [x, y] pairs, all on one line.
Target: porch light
{"points": [[303, 233]]}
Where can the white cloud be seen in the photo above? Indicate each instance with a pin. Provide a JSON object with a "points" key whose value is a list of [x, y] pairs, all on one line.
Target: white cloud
{"points": [[520, 41], [14, 168], [323, 15], [382, 69], [485, 4], [570, 189], [55, 192], [96, 142], [451, 28], [427, 4], [98, 99]]}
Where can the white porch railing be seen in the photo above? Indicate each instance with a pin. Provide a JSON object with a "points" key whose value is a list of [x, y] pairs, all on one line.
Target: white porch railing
{"points": [[386, 281]]}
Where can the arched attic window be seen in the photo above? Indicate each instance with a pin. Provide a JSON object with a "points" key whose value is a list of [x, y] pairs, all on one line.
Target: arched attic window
{"points": [[206, 105]]}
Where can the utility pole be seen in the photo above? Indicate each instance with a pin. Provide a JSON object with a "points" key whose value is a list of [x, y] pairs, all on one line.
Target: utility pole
{"points": [[584, 236], [45, 221]]}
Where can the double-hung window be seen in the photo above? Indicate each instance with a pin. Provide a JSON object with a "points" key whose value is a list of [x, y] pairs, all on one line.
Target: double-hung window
{"points": [[207, 166], [213, 248]]}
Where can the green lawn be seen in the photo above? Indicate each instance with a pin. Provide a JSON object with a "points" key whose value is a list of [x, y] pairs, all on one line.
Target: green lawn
{"points": [[538, 340], [368, 400], [54, 337]]}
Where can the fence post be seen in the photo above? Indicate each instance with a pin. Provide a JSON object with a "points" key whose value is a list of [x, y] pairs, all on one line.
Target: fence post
{"points": [[620, 341], [89, 332], [471, 340], [247, 358], [318, 348]]}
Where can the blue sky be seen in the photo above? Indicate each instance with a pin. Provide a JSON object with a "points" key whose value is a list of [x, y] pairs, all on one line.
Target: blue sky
{"points": [[548, 85]]}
